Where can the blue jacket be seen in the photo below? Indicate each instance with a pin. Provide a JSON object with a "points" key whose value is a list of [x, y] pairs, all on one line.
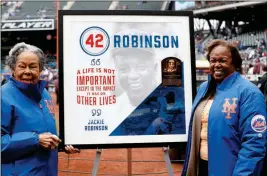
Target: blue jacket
{"points": [[236, 128], [27, 111]]}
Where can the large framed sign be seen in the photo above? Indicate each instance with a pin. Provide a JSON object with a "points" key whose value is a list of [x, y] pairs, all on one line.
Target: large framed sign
{"points": [[127, 78]]}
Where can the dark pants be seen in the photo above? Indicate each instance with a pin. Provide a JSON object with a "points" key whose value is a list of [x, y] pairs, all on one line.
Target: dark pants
{"points": [[203, 168]]}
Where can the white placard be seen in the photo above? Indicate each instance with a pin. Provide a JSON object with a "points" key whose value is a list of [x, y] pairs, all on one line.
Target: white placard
{"points": [[113, 76]]}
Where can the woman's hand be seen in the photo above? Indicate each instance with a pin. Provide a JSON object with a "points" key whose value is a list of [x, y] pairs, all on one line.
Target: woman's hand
{"points": [[48, 141], [69, 149]]}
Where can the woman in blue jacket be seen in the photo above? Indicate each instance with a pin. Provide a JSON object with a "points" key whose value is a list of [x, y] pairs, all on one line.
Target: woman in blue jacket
{"points": [[227, 131], [28, 130]]}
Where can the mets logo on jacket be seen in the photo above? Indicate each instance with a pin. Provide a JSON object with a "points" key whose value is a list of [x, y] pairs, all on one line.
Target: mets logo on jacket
{"points": [[229, 108], [258, 123]]}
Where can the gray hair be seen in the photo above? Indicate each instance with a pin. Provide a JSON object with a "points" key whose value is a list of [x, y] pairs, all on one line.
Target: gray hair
{"points": [[21, 47]]}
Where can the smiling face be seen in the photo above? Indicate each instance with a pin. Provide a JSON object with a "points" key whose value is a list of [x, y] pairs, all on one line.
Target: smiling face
{"points": [[27, 68], [137, 76], [221, 64]]}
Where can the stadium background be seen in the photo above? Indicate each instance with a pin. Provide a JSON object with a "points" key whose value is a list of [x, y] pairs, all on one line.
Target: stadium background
{"points": [[241, 22]]}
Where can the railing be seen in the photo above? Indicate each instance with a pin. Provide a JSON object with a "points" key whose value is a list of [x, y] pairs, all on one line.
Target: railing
{"points": [[252, 78], [68, 159]]}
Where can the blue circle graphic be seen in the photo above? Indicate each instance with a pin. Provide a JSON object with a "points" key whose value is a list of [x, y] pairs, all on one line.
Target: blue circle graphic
{"points": [[106, 35]]}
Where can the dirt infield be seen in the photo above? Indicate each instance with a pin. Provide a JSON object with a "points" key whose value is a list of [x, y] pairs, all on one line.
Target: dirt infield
{"points": [[146, 161]]}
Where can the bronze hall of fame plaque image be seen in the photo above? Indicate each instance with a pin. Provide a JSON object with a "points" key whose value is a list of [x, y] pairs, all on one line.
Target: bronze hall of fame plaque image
{"points": [[171, 71]]}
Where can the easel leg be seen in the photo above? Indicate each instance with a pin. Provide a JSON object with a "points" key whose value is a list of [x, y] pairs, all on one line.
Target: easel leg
{"points": [[96, 162], [129, 161], [167, 160]]}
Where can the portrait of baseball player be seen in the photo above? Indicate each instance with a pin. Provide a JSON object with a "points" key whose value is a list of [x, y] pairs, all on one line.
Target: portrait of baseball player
{"points": [[136, 73], [136, 68], [144, 113], [171, 66]]}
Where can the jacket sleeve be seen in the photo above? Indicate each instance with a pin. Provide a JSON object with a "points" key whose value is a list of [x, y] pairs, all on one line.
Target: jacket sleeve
{"points": [[252, 132], [16, 145]]}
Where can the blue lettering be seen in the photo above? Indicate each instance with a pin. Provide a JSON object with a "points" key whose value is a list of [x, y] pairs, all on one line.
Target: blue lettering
{"points": [[125, 41], [96, 128], [148, 41], [134, 41], [165, 41], [141, 41], [117, 41], [175, 41], [157, 41]]}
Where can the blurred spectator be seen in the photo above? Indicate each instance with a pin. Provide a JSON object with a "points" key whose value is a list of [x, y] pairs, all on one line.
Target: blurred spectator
{"points": [[257, 67], [245, 68], [262, 82], [250, 70], [199, 47], [46, 75], [42, 12], [251, 54], [257, 42]]}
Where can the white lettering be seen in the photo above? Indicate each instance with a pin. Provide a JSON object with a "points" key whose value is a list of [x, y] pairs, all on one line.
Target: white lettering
{"points": [[27, 25], [22, 25]]}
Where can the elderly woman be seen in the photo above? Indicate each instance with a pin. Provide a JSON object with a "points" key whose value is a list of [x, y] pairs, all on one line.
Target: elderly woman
{"points": [[227, 132], [28, 131]]}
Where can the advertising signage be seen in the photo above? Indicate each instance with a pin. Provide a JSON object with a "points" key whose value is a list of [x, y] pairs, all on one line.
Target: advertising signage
{"points": [[28, 25]]}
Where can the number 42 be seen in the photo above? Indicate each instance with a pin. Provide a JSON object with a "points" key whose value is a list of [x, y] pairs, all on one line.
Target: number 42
{"points": [[95, 40]]}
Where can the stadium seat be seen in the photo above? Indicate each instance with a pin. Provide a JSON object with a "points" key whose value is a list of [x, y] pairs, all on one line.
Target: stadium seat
{"points": [[91, 5], [139, 5]]}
